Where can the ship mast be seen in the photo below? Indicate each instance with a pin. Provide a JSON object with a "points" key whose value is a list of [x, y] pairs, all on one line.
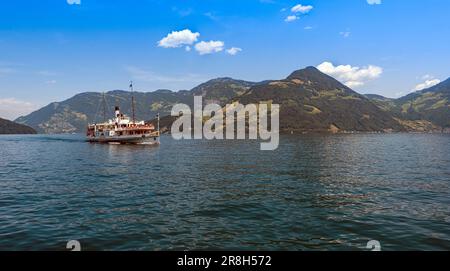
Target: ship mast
{"points": [[104, 107], [158, 123], [132, 102]]}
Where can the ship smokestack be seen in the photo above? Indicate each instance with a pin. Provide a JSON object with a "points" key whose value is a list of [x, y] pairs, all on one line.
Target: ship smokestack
{"points": [[117, 112]]}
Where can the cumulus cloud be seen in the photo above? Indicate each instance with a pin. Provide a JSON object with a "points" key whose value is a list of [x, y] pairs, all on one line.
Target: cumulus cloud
{"points": [[351, 76], [301, 9], [233, 51], [74, 2], [187, 39], [374, 2], [178, 39], [427, 84], [11, 108], [296, 10], [209, 47], [291, 18]]}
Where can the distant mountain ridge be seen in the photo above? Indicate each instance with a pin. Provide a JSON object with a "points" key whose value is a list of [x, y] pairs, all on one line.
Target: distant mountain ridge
{"points": [[431, 104], [72, 115], [310, 100], [222, 90], [9, 127]]}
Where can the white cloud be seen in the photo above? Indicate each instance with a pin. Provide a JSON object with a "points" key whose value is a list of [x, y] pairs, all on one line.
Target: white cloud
{"points": [[234, 50], [302, 9], [204, 48], [179, 38], [308, 28], [291, 18], [51, 82], [351, 76], [354, 84], [11, 108], [427, 84], [187, 48], [74, 2], [297, 9], [374, 2]]}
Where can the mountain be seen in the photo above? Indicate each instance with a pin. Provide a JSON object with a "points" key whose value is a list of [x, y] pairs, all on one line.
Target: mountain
{"points": [[73, 115], [427, 110], [386, 104], [221, 90], [432, 104], [9, 127], [312, 101]]}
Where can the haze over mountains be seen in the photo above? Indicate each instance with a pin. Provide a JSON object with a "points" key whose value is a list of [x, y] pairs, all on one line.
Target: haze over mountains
{"points": [[310, 100]]}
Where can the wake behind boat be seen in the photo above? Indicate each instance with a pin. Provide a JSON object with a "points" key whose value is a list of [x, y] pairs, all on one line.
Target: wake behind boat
{"points": [[123, 130]]}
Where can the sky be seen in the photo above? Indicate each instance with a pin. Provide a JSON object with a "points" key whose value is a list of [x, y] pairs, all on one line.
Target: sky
{"points": [[51, 50]]}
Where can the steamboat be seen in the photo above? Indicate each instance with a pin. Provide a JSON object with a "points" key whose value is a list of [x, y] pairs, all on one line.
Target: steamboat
{"points": [[122, 129]]}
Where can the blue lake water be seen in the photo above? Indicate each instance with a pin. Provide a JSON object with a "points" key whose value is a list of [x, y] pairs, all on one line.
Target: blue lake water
{"points": [[314, 193]]}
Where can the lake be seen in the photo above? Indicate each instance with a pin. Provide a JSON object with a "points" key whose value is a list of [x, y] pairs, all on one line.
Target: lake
{"points": [[316, 192]]}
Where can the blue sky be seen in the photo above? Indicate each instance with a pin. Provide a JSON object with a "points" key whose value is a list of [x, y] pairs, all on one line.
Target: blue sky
{"points": [[52, 50]]}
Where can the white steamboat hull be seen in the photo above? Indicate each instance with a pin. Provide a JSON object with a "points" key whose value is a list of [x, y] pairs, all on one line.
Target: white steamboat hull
{"points": [[137, 139]]}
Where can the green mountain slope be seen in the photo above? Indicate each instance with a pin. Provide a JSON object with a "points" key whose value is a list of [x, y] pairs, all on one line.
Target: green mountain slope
{"points": [[428, 108], [221, 90], [9, 127], [314, 102], [432, 104], [72, 115]]}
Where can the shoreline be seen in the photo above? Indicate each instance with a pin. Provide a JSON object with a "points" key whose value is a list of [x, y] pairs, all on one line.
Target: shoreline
{"points": [[284, 133]]}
